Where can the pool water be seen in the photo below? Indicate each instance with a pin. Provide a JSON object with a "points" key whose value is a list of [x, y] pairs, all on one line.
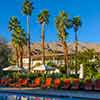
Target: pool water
{"points": [[32, 97]]}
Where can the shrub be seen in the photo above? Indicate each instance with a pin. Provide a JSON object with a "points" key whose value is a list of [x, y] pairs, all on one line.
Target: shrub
{"points": [[81, 84], [16, 75], [74, 76], [42, 80], [31, 76], [62, 69], [63, 76], [97, 76], [55, 75], [10, 74], [37, 64], [87, 78], [1, 74], [23, 75], [35, 75], [51, 64]]}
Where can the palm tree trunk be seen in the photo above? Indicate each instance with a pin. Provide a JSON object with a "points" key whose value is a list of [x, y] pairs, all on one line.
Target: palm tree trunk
{"points": [[43, 44], [76, 51], [65, 56], [21, 57], [17, 57], [19, 49], [29, 48]]}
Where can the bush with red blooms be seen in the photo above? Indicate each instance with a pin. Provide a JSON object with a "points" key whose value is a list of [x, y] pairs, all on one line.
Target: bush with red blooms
{"points": [[75, 85], [22, 82], [57, 83], [67, 84], [36, 82], [47, 84], [88, 84], [97, 85]]}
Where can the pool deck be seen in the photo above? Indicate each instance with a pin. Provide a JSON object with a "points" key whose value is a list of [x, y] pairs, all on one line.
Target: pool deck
{"points": [[52, 92]]}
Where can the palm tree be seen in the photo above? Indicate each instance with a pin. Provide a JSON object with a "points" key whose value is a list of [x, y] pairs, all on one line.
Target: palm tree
{"points": [[23, 43], [76, 24], [62, 23], [15, 45], [18, 39], [13, 24], [43, 18], [27, 10]]}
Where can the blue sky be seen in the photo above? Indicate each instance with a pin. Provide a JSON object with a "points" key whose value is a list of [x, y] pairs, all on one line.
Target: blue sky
{"points": [[89, 10]]}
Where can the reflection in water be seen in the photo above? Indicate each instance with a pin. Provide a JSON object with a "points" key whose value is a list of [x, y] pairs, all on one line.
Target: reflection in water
{"points": [[20, 97]]}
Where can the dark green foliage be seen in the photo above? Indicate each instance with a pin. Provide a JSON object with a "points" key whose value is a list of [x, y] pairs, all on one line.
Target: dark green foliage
{"points": [[23, 75], [34, 75], [13, 23], [62, 69], [51, 64], [5, 54], [54, 75], [31, 76], [18, 34], [42, 80], [81, 84], [73, 76], [76, 21], [43, 17], [90, 61], [27, 7]]}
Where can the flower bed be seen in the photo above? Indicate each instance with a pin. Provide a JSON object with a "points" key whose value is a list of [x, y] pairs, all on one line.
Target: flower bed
{"points": [[50, 82]]}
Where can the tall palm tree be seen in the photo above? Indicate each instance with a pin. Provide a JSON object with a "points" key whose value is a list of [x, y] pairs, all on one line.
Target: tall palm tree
{"points": [[15, 45], [27, 10], [62, 23], [76, 24], [18, 39], [43, 19], [23, 43], [13, 24]]}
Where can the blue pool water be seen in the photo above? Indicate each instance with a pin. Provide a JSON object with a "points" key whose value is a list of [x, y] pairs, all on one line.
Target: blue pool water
{"points": [[32, 97]]}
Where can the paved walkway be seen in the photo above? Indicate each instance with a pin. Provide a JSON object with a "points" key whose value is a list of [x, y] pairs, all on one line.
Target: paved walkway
{"points": [[52, 92]]}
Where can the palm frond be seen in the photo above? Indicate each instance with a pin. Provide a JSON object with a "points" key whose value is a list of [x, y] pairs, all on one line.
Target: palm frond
{"points": [[62, 23], [43, 17], [13, 23], [76, 22], [27, 7]]}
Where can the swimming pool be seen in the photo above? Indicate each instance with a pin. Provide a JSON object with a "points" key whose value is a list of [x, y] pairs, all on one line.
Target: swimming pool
{"points": [[7, 96]]}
